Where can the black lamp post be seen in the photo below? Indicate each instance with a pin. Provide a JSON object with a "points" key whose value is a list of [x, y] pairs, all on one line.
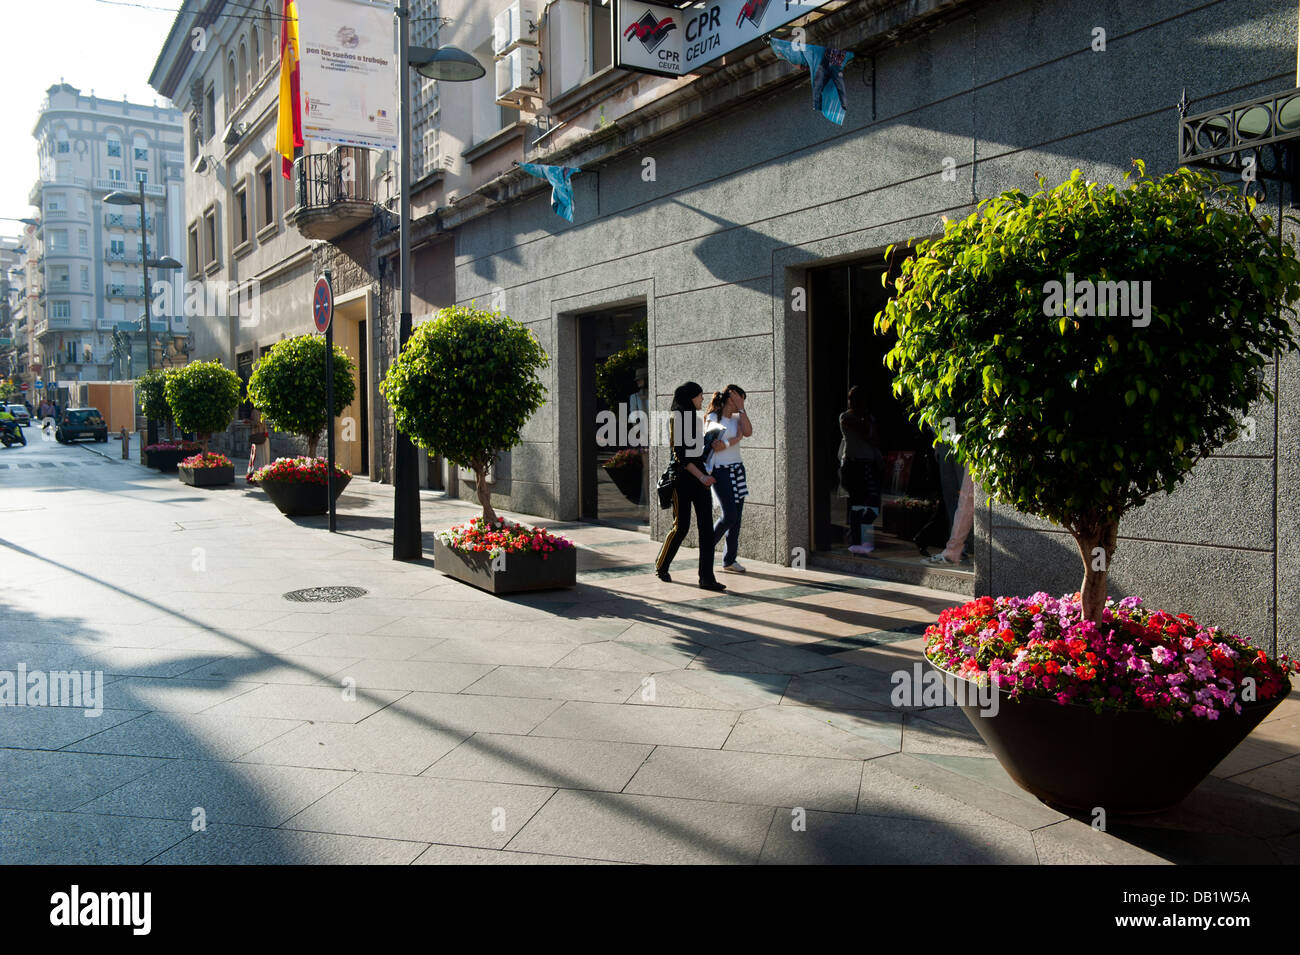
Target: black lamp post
{"points": [[166, 263], [451, 64]]}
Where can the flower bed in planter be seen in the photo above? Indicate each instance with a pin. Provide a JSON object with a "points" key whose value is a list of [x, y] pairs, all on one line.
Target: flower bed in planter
{"points": [[506, 558], [208, 469], [166, 456], [297, 486], [1128, 716], [626, 469]]}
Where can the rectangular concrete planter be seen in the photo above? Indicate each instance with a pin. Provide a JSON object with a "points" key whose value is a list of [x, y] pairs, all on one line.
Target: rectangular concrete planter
{"points": [[206, 477], [521, 573]]}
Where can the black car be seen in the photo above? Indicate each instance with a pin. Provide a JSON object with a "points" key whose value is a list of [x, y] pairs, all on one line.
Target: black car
{"points": [[81, 423]]}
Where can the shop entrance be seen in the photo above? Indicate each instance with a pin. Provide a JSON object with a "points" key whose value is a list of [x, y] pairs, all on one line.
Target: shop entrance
{"points": [[612, 456], [905, 503]]}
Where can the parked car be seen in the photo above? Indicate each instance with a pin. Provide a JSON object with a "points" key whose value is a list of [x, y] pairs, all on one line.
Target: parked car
{"points": [[81, 423], [21, 414]]}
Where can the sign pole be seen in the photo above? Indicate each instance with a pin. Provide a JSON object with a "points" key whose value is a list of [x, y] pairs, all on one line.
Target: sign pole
{"points": [[322, 305], [329, 414]]}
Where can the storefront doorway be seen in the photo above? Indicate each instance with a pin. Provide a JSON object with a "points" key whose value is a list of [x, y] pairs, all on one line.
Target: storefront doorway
{"points": [[612, 378], [905, 504]]}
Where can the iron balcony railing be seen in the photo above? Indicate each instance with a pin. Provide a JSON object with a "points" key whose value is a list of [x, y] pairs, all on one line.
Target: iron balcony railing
{"points": [[340, 175]]}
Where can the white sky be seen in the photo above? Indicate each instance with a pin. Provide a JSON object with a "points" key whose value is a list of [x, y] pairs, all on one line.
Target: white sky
{"points": [[91, 44]]}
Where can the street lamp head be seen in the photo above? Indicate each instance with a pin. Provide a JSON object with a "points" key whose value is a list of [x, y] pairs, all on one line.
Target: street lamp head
{"points": [[122, 199], [448, 63], [166, 262]]}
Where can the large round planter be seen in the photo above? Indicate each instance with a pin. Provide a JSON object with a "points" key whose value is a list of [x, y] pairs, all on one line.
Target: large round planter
{"points": [[1123, 761], [207, 477], [302, 498]]}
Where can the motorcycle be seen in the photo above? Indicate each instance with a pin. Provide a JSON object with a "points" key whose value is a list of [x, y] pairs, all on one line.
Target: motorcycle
{"points": [[11, 433]]}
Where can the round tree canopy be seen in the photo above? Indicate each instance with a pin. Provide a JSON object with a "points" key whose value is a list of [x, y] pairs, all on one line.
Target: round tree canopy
{"points": [[465, 385], [288, 385], [151, 388], [1083, 347], [203, 396]]}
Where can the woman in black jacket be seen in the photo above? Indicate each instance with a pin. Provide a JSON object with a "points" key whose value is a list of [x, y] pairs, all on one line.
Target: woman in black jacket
{"points": [[691, 491]]}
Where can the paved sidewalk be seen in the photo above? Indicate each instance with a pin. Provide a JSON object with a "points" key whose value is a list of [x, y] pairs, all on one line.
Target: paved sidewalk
{"points": [[626, 720]]}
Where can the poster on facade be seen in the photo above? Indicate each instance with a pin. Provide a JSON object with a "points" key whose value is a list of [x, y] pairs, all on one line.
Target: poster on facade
{"points": [[673, 41], [348, 66]]}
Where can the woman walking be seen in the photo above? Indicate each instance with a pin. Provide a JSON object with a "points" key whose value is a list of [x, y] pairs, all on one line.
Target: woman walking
{"points": [[728, 409], [691, 489]]}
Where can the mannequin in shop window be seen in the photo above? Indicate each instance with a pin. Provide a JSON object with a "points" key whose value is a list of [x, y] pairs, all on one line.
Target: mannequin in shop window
{"points": [[861, 469]]}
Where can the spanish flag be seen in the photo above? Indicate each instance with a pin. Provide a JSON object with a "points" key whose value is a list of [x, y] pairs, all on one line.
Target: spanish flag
{"points": [[288, 131]]}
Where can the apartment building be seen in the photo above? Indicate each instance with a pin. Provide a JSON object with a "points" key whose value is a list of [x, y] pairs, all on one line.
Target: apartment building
{"points": [[90, 289]]}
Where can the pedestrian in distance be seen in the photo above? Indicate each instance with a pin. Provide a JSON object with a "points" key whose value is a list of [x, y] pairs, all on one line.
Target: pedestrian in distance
{"points": [[691, 485], [728, 470]]}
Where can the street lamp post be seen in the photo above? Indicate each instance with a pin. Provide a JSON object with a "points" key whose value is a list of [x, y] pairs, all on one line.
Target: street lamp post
{"points": [[454, 65], [166, 263]]}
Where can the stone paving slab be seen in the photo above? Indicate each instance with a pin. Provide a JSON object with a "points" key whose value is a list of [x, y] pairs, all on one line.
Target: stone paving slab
{"points": [[543, 761], [226, 844], [69, 838], [660, 725], [61, 781], [184, 736], [54, 727], [423, 809], [842, 839], [225, 792], [760, 778], [337, 704], [645, 829], [386, 742]]}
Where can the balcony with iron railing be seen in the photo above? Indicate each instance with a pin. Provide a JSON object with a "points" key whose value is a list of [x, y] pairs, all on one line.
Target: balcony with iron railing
{"points": [[116, 220], [120, 255], [334, 192], [121, 185], [124, 291]]}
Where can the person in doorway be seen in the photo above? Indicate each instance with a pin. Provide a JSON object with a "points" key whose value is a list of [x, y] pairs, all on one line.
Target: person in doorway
{"points": [[728, 409], [638, 417], [691, 487], [861, 468], [962, 523]]}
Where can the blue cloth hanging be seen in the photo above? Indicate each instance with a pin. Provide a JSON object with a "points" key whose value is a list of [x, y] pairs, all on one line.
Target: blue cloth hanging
{"points": [[561, 180], [826, 67]]}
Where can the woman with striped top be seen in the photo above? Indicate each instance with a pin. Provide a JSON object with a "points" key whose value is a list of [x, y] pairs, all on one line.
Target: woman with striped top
{"points": [[730, 490]]}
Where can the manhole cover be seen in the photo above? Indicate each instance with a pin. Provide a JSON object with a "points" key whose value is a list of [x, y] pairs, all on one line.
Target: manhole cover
{"points": [[329, 595]]}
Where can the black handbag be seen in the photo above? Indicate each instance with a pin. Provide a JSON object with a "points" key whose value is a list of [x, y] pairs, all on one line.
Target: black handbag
{"points": [[667, 485]]}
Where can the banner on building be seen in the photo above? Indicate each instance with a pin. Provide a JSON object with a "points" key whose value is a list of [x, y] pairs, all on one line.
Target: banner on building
{"points": [[349, 72], [673, 41]]}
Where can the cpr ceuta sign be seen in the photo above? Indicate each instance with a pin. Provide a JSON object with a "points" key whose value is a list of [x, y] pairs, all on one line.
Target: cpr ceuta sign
{"points": [[672, 41]]}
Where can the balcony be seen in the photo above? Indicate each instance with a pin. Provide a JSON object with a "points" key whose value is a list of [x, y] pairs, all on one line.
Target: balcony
{"points": [[124, 291], [118, 221], [131, 258], [58, 285], [334, 193], [121, 185]]}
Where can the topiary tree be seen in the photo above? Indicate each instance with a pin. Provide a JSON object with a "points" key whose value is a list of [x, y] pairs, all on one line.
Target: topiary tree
{"points": [[151, 390], [464, 386], [1086, 345], [288, 386], [203, 397]]}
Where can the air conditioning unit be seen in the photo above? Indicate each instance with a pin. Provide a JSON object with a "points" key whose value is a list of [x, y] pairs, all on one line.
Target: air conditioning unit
{"points": [[517, 77], [514, 25]]}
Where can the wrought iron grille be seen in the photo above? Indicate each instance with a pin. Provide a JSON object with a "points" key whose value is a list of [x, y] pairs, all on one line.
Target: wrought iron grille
{"points": [[340, 175]]}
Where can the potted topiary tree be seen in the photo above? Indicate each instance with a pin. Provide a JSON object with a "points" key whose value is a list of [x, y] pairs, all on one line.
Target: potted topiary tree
{"points": [[165, 454], [203, 397], [1081, 349], [463, 387], [288, 387]]}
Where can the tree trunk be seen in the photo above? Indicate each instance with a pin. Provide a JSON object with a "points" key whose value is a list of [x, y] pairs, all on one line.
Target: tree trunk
{"points": [[311, 444], [484, 493], [1091, 536]]}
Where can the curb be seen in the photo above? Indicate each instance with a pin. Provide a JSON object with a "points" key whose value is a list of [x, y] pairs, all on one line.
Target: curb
{"points": [[108, 457]]}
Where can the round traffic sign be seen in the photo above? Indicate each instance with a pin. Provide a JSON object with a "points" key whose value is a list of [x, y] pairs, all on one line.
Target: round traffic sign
{"points": [[322, 304]]}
